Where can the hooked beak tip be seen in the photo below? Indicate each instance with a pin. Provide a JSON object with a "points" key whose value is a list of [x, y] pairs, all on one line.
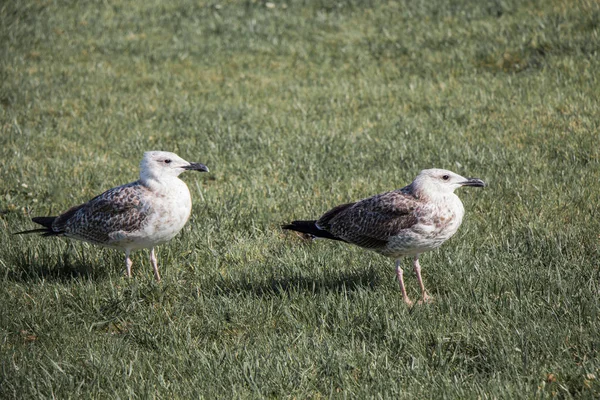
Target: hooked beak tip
{"points": [[474, 182], [196, 167]]}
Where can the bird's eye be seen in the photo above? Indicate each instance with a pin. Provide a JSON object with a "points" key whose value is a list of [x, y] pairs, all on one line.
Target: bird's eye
{"points": [[446, 177], [167, 161]]}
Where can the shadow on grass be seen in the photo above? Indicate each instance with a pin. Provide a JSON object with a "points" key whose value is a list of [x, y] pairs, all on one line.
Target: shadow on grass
{"points": [[64, 270], [336, 282]]}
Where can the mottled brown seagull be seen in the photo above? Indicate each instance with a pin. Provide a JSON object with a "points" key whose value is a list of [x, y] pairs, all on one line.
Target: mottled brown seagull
{"points": [[139, 215], [404, 222]]}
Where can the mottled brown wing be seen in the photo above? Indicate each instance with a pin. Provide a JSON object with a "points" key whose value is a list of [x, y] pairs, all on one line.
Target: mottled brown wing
{"points": [[371, 222], [323, 222], [121, 209]]}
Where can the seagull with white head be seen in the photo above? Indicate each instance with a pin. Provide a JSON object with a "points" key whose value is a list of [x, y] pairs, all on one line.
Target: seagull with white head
{"points": [[404, 222], [139, 215]]}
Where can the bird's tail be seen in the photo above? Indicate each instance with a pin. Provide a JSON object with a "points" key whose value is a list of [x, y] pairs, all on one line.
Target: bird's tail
{"points": [[310, 228], [46, 222]]}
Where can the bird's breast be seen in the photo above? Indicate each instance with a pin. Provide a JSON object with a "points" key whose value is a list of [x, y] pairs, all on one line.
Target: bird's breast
{"points": [[176, 208], [435, 224], [444, 219], [170, 211]]}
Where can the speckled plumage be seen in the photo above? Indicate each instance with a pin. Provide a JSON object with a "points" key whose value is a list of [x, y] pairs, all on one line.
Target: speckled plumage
{"points": [[141, 214], [404, 222], [109, 217], [394, 223]]}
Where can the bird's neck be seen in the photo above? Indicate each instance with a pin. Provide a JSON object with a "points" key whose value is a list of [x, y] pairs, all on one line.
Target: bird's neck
{"points": [[427, 194], [163, 183]]}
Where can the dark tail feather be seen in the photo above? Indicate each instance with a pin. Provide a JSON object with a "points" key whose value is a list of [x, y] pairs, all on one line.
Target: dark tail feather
{"points": [[310, 227], [46, 222]]}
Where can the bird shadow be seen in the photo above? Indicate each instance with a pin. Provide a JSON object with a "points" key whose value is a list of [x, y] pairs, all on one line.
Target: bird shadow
{"points": [[335, 282], [65, 269]]}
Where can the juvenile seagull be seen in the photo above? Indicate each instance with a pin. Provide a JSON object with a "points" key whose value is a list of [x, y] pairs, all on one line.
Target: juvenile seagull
{"points": [[139, 215], [405, 222]]}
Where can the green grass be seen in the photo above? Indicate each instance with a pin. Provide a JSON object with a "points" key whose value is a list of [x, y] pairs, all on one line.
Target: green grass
{"points": [[295, 108]]}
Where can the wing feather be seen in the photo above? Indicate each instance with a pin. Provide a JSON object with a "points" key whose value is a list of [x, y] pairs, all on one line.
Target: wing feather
{"points": [[371, 222], [122, 209]]}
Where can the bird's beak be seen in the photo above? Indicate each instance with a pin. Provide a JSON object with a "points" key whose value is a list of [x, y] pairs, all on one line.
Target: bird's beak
{"points": [[473, 182], [196, 167]]}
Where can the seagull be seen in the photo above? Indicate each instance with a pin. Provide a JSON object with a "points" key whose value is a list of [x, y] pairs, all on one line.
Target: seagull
{"points": [[404, 222], [139, 215]]}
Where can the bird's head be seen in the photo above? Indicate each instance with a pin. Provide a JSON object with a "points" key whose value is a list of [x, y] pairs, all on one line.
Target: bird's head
{"points": [[441, 181], [162, 164]]}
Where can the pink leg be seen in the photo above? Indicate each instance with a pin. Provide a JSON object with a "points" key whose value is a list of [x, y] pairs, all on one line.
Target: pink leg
{"points": [[399, 274], [154, 265], [128, 263], [425, 298]]}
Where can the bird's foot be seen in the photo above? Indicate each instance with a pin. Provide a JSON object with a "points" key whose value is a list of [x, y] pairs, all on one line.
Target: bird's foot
{"points": [[408, 301], [426, 299]]}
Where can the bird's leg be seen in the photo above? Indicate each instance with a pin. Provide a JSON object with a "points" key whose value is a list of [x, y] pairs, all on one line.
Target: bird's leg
{"points": [[128, 263], [399, 274], [425, 298], [154, 265]]}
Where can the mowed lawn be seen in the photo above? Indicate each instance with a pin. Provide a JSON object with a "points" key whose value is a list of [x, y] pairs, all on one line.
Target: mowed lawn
{"points": [[296, 107]]}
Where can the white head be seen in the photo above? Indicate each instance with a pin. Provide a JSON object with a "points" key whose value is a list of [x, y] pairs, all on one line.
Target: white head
{"points": [[158, 165], [433, 182]]}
